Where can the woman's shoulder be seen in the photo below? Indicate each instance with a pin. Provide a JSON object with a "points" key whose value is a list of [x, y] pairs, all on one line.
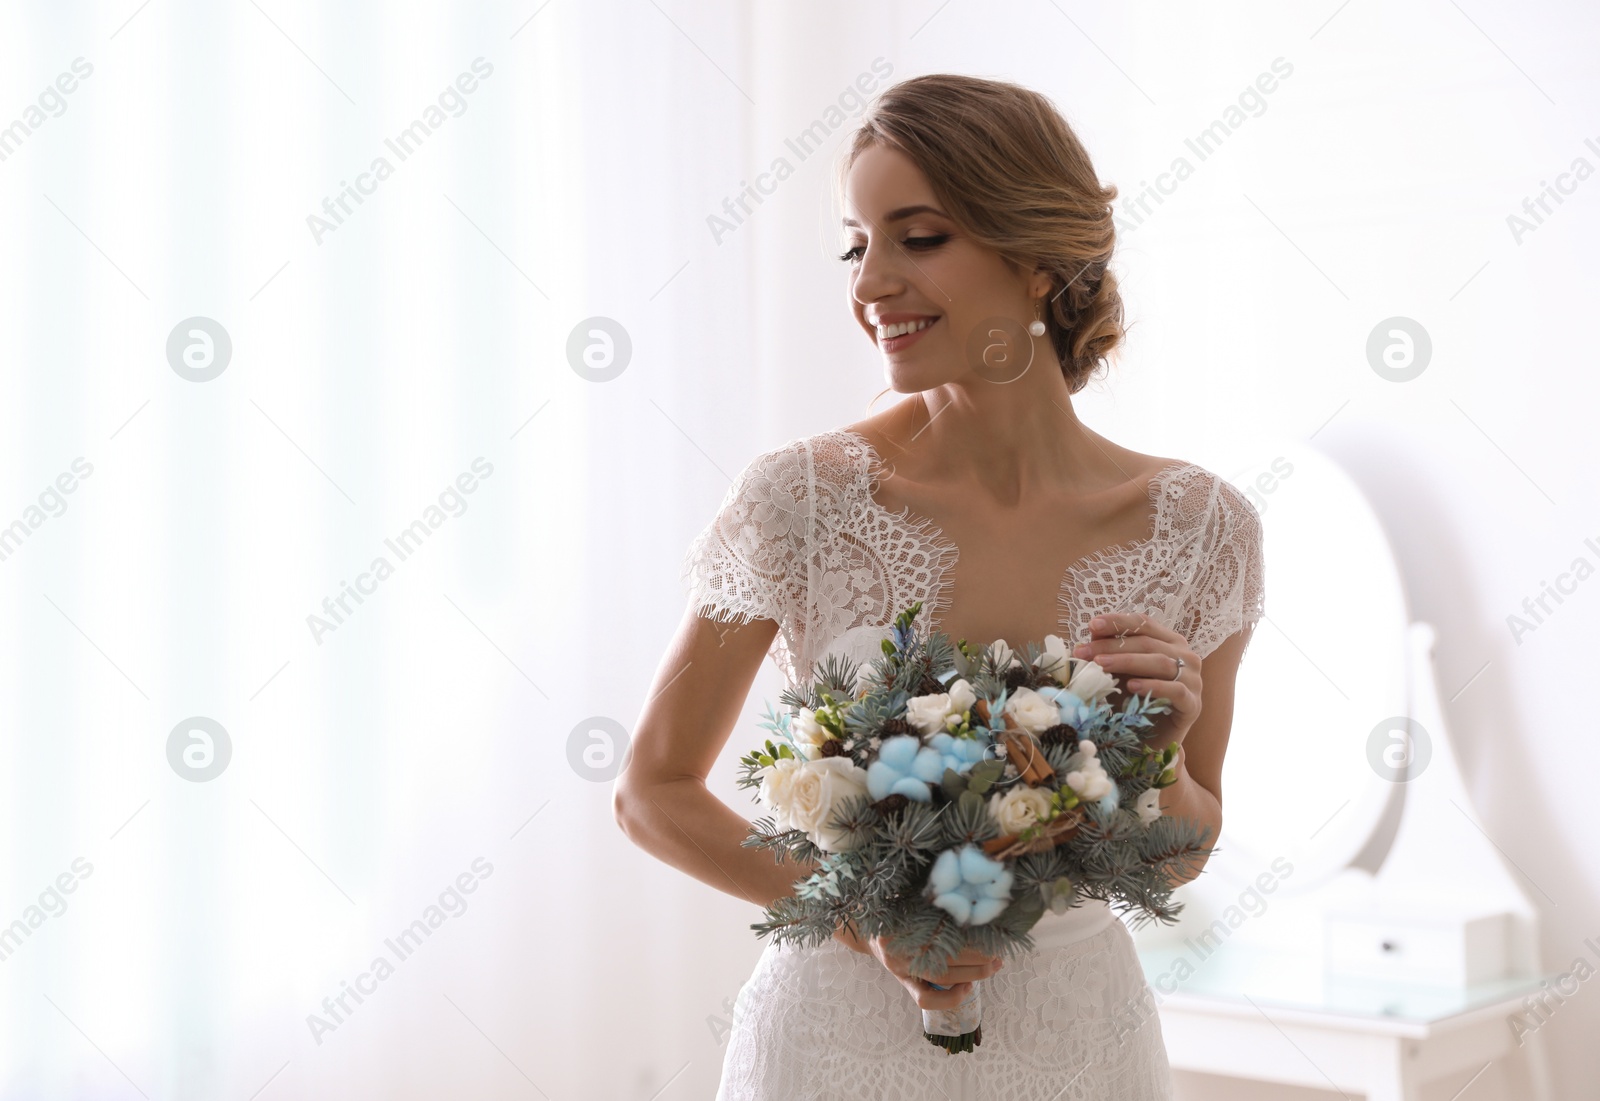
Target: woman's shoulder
{"points": [[1184, 479], [832, 459]]}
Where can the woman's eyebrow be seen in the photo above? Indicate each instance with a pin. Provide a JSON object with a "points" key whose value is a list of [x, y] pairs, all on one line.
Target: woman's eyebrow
{"points": [[902, 212]]}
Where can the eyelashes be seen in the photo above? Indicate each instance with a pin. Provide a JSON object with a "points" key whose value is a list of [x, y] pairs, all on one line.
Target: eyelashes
{"points": [[922, 244]]}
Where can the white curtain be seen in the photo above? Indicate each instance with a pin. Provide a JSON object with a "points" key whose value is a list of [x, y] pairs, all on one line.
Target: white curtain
{"points": [[399, 332]]}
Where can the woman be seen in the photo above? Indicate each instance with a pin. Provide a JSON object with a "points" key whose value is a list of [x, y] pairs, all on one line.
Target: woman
{"points": [[977, 239]]}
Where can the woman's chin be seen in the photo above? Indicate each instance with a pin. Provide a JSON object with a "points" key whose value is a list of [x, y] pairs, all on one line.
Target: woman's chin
{"points": [[907, 378]]}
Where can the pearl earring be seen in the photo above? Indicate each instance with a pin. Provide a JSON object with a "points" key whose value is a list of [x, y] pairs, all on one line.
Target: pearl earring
{"points": [[1036, 326]]}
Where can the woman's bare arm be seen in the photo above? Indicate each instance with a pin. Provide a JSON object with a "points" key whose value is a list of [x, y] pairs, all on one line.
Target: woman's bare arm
{"points": [[661, 802], [1198, 793], [660, 799]]}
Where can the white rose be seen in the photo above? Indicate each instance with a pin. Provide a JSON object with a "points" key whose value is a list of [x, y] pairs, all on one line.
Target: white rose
{"points": [[1089, 779], [1019, 808], [819, 785], [1033, 712], [1055, 659], [1091, 683], [808, 734], [927, 713], [933, 713], [1149, 805], [777, 788], [1003, 657]]}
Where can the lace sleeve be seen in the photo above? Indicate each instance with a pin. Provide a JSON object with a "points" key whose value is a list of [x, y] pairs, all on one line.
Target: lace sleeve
{"points": [[1231, 596], [745, 563]]}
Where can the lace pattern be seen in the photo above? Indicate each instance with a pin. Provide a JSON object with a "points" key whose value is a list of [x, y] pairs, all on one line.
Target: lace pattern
{"points": [[800, 539], [1069, 1023], [1199, 571]]}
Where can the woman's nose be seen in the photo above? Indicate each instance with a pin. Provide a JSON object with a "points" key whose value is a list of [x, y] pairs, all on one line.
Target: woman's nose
{"points": [[877, 275]]}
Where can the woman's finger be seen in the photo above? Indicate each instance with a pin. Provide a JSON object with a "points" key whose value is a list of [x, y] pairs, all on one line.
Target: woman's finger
{"points": [[1131, 623], [1151, 666], [1120, 644]]}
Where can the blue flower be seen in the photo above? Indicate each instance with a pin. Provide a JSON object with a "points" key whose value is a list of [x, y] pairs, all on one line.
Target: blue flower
{"points": [[971, 885], [1074, 712], [905, 767], [959, 753]]}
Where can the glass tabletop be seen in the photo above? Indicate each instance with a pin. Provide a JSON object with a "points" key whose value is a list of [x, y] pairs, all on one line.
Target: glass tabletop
{"points": [[1295, 981]]}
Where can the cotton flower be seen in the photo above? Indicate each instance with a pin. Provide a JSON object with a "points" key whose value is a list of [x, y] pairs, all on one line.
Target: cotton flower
{"points": [[1033, 712], [969, 884], [1089, 780], [932, 713], [1019, 807], [1070, 709], [1149, 806], [904, 767], [958, 753], [803, 796]]}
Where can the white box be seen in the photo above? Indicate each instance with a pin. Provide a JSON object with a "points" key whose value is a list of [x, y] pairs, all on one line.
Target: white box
{"points": [[1430, 946]]}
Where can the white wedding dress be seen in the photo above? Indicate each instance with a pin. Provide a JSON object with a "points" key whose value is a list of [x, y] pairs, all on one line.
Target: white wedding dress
{"points": [[800, 539]]}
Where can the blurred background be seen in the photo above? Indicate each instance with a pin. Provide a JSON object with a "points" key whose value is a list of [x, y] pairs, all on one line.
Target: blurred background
{"points": [[369, 367]]}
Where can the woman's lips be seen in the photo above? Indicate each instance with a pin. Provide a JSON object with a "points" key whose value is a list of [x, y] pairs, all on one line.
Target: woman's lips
{"points": [[901, 343]]}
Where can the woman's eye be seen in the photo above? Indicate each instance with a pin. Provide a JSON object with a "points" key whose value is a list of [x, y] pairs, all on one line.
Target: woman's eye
{"points": [[853, 254]]}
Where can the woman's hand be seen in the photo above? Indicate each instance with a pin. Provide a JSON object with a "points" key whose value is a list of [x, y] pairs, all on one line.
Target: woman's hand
{"points": [[1143, 656], [966, 968]]}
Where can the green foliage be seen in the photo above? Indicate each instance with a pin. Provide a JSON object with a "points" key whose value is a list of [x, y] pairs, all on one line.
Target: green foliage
{"points": [[783, 843], [752, 763], [978, 779]]}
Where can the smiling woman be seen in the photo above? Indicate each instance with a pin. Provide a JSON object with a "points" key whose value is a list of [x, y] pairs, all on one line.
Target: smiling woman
{"points": [[1047, 209], [978, 240]]}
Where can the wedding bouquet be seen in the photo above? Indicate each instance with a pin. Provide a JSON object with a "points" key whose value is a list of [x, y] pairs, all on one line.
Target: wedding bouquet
{"points": [[948, 797]]}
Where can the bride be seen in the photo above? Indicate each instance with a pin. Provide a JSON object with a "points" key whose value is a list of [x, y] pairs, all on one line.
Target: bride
{"points": [[976, 244]]}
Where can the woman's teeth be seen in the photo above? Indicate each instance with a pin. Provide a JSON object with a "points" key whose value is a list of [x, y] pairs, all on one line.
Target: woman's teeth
{"points": [[885, 332]]}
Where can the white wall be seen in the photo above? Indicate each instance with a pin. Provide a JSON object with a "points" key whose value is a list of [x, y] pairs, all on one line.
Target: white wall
{"points": [[369, 770]]}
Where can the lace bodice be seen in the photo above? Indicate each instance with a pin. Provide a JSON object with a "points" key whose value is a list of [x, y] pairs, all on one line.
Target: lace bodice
{"points": [[800, 539]]}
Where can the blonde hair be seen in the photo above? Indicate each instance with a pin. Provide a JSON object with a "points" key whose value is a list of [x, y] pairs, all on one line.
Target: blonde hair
{"points": [[1006, 166]]}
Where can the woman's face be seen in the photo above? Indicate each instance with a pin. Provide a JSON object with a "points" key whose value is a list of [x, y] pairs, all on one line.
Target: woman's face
{"points": [[911, 262]]}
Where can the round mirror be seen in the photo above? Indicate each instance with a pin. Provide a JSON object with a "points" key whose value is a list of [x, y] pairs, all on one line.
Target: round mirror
{"points": [[1323, 677]]}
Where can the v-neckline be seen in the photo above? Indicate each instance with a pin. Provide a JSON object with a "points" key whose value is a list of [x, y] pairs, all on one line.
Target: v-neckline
{"points": [[946, 548]]}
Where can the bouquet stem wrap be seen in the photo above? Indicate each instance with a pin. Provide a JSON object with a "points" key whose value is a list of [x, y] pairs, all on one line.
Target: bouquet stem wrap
{"points": [[956, 1029]]}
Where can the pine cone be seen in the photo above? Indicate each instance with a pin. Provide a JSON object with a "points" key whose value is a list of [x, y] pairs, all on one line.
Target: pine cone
{"points": [[930, 686], [890, 803], [833, 747], [892, 727], [1059, 734], [1018, 677]]}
